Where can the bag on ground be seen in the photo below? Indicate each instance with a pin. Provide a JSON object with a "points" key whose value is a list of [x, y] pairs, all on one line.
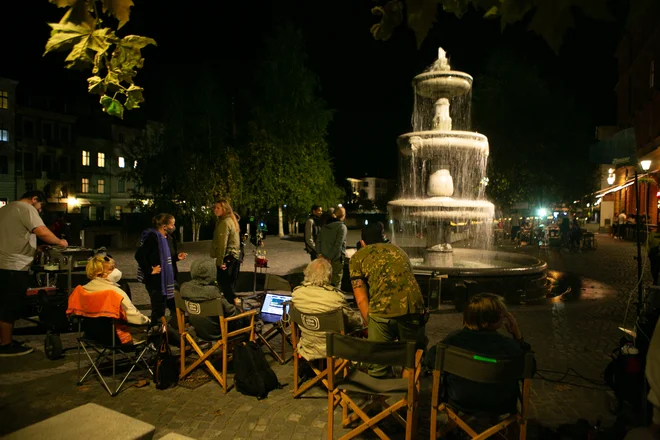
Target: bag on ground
{"points": [[253, 377], [166, 371]]}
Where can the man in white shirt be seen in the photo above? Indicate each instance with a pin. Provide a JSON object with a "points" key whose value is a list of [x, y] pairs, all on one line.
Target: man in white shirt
{"points": [[622, 224], [20, 225]]}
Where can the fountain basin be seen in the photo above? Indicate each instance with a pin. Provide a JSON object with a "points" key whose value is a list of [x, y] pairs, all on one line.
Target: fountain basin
{"points": [[442, 84], [518, 278], [425, 142], [441, 208]]}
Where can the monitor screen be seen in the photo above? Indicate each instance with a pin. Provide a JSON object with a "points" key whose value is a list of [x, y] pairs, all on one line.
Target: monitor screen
{"points": [[274, 304]]}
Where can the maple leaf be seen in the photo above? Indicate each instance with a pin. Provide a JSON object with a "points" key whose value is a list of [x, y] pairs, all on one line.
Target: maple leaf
{"points": [[121, 9]]}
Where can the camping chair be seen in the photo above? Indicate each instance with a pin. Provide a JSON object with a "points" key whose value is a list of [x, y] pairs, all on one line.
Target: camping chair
{"points": [[209, 308], [332, 321], [278, 285], [102, 328], [401, 354], [472, 366]]}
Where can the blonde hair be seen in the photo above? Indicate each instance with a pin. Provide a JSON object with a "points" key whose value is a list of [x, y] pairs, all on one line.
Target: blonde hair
{"points": [[340, 213], [96, 266], [483, 311], [227, 211], [318, 272]]}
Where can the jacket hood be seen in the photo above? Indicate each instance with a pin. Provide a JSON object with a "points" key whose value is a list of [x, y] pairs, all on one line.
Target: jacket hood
{"points": [[203, 271]]}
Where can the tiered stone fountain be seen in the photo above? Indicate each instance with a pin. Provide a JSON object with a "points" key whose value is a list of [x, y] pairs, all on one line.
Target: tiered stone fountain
{"points": [[442, 218]]}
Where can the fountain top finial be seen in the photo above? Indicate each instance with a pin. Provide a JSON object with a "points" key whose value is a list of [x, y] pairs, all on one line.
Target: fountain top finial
{"points": [[442, 63]]}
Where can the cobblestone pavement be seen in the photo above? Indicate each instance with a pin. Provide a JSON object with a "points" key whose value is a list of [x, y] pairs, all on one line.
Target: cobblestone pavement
{"points": [[578, 332]]}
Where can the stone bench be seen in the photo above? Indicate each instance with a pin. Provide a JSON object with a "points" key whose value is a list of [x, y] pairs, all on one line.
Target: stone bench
{"points": [[90, 421]]}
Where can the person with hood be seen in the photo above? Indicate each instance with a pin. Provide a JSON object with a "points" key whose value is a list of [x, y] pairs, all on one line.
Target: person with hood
{"points": [[312, 228], [202, 288], [331, 244], [156, 258], [226, 248]]}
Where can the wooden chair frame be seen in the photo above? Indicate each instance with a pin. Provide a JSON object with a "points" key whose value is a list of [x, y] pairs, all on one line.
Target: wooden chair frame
{"points": [[398, 353], [455, 361], [332, 321], [209, 308]]}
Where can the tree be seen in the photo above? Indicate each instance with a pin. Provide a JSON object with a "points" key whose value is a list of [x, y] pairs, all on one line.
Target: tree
{"points": [[538, 135], [191, 161], [287, 160], [88, 30], [550, 19]]}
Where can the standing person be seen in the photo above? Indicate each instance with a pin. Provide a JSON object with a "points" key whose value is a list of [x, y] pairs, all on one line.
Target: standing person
{"points": [[615, 223], [515, 225], [312, 228], [331, 244], [20, 225], [622, 224], [387, 293], [226, 247], [156, 258]]}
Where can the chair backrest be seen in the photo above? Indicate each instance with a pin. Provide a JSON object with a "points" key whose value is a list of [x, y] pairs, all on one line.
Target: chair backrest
{"points": [[361, 350], [332, 321], [212, 307], [274, 282], [480, 368], [100, 330]]}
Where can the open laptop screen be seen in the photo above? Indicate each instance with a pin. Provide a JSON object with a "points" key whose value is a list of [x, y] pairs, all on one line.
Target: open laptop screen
{"points": [[274, 304]]}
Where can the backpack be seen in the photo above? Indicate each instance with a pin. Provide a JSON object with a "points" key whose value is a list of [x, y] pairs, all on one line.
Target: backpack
{"points": [[166, 370], [253, 377]]}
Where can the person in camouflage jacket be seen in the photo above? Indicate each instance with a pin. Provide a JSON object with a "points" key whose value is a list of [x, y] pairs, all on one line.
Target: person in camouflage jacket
{"points": [[387, 293]]}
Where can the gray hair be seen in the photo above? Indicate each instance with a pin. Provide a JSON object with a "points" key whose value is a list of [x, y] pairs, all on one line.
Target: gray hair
{"points": [[318, 272]]}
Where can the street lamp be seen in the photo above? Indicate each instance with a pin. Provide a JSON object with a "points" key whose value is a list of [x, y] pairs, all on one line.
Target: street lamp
{"points": [[610, 179], [645, 165]]}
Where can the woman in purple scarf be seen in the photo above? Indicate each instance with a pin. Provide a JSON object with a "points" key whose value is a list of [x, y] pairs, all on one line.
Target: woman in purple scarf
{"points": [[157, 257]]}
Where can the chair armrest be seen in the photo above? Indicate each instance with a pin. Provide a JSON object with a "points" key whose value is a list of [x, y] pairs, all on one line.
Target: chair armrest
{"points": [[243, 315]]}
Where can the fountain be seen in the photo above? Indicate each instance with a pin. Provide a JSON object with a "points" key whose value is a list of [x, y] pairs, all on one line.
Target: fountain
{"points": [[442, 219]]}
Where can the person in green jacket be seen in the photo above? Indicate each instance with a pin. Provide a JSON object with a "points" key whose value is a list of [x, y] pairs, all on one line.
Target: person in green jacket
{"points": [[226, 247]]}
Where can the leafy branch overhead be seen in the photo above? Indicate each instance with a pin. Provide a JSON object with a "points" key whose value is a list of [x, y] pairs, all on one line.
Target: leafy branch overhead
{"points": [[114, 60], [548, 18]]}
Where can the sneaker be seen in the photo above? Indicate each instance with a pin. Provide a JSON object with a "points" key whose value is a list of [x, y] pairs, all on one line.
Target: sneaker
{"points": [[15, 349]]}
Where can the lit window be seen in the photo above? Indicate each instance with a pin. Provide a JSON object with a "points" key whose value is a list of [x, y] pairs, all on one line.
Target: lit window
{"points": [[4, 100], [85, 158], [100, 186], [85, 186], [122, 162], [100, 162], [135, 164], [4, 135]]}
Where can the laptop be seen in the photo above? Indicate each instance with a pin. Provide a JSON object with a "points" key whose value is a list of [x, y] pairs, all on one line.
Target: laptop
{"points": [[273, 307]]}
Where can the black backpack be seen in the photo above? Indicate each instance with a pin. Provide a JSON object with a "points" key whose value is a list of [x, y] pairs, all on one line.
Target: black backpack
{"points": [[166, 370], [253, 377]]}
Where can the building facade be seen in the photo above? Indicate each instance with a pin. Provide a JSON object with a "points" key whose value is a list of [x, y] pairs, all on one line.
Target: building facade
{"points": [[78, 163], [638, 123]]}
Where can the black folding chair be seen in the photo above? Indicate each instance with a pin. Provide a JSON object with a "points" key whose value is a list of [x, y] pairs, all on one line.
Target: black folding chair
{"points": [[99, 335], [484, 369], [332, 321], [407, 388]]}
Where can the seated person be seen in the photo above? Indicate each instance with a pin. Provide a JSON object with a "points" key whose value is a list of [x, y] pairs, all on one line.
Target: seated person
{"points": [[202, 288], [103, 275], [317, 295], [484, 315]]}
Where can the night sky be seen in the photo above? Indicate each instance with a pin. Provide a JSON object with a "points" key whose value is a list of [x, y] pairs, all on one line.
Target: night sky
{"points": [[366, 82]]}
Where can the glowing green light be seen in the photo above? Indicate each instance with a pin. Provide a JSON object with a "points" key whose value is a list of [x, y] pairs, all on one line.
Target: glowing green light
{"points": [[484, 359]]}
